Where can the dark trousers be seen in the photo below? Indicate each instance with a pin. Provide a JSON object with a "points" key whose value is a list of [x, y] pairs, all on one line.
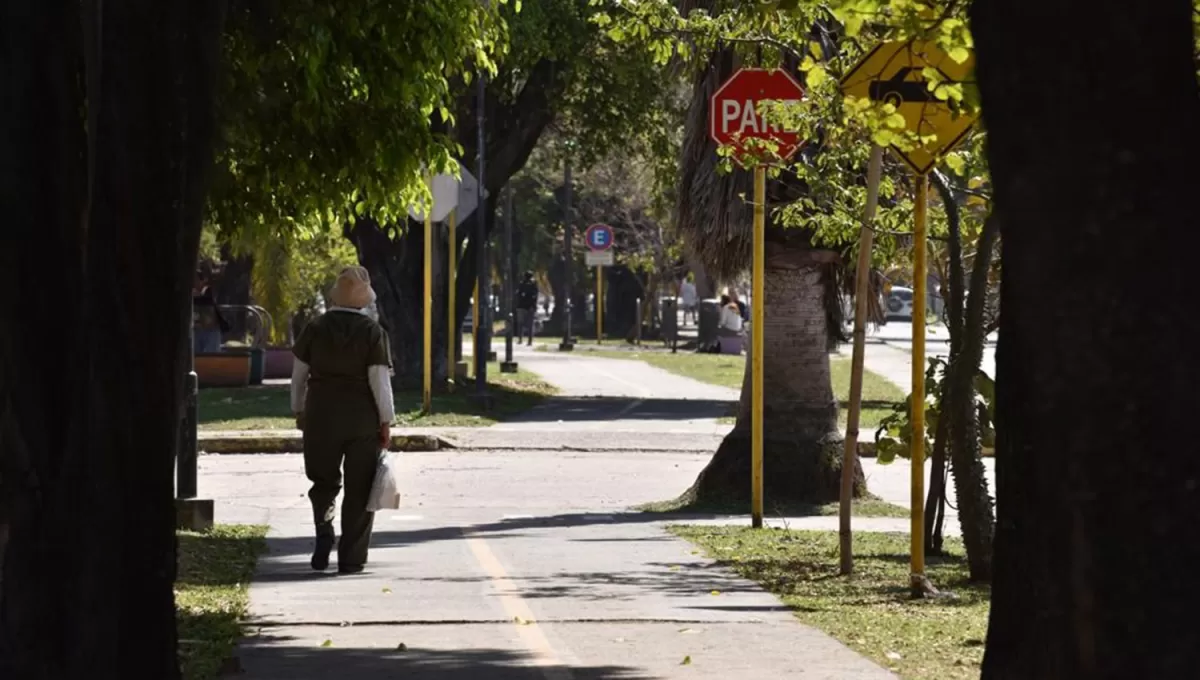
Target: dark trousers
{"points": [[525, 318], [325, 452]]}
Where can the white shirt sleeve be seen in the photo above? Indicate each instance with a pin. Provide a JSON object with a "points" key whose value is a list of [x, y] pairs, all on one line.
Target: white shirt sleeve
{"points": [[299, 385], [381, 387]]}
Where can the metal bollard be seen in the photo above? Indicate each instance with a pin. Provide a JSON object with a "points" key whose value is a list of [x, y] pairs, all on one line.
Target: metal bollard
{"points": [[185, 462], [637, 333]]}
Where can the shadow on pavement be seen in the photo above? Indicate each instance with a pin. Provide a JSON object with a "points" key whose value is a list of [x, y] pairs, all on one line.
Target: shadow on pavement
{"points": [[285, 659], [574, 409], [506, 528], [685, 579]]}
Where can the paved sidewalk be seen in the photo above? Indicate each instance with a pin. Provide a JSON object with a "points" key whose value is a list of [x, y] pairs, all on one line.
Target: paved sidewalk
{"points": [[514, 561], [512, 566], [889, 351], [596, 392]]}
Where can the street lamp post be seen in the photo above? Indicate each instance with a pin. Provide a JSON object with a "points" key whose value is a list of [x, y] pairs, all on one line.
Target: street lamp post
{"points": [[568, 342], [509, 366], [186, 461], [483, 341]]}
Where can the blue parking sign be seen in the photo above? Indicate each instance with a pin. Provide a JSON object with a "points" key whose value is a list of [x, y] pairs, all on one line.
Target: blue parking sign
{"points": [[599, 237]]}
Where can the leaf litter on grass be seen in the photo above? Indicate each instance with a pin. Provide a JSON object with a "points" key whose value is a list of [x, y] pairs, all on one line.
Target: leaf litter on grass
{"points": [[870, 611]]}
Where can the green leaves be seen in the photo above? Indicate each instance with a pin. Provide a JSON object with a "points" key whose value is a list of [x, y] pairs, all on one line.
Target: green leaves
{"points": [[894, 436], [319, 105], [956, 162], [815, 77]]}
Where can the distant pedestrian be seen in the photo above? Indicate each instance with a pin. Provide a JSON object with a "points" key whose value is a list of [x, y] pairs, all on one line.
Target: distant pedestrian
{"points": [[688, 299], [342, 399], [527, 299], [208, 325]]}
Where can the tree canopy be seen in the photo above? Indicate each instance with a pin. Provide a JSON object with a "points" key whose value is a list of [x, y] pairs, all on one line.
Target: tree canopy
{"points": [[331, 111], [820, 42]]}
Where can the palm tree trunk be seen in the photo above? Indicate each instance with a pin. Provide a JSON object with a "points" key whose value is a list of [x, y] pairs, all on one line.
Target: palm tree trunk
{"points": [[802, 447]]}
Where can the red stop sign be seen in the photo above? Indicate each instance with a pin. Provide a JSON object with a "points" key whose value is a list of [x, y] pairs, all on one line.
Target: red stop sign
{"points": [[734, 117]]}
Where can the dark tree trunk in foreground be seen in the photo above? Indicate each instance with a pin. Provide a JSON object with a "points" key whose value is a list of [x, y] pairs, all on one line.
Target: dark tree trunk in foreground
{"points": [[93, 347], [1093, 151], [802, 452]]}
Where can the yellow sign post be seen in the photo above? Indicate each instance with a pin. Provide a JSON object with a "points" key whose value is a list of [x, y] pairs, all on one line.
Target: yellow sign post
{"points": [[451, 323], [917, 406], [736, 120], [600, 305], [427, 359], [475, 313], [757, 334], [907, 74]]}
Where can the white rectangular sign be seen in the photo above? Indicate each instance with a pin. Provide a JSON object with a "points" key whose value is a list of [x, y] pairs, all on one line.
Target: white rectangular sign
{"points": [[601, 258], [449, 193]]}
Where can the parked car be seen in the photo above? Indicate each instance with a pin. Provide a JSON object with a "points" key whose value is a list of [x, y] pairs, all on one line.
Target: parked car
{"points": [[899, 304]]}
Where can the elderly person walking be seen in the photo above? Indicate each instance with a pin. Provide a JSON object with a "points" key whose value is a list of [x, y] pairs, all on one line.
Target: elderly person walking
{"points": [[342, 398]]}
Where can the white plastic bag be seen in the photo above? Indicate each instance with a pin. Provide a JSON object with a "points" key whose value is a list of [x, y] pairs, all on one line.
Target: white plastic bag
{"points": [[385, 492]]}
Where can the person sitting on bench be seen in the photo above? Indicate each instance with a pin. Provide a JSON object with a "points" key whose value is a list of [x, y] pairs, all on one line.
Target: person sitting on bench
{"points": [[729, 330]]}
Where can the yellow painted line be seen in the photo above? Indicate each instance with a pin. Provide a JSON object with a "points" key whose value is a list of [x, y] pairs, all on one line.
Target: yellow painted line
{"points": [[543, 655]]}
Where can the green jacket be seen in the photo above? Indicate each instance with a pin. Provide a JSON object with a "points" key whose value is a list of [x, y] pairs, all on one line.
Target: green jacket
{"points": [[339, 347]]}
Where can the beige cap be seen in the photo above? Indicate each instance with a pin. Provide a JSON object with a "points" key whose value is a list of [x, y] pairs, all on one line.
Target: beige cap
{"points": [[353, 289]]}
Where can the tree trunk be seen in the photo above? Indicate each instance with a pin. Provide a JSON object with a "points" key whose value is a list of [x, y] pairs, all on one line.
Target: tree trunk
{"points": [[959, 422], [558, 279], [975, 513], [706, 287], [622, 288], [802, 449], [1097, 473], [935, 501], [93, 352], [396, 263], [558, 282]]}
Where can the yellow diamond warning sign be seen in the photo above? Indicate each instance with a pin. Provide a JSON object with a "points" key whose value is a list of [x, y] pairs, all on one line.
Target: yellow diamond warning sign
{"points": [[894, 73]]}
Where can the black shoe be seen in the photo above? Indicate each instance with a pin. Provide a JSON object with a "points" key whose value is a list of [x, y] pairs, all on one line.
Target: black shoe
{"points": [[320, 558], [350, 568]]}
